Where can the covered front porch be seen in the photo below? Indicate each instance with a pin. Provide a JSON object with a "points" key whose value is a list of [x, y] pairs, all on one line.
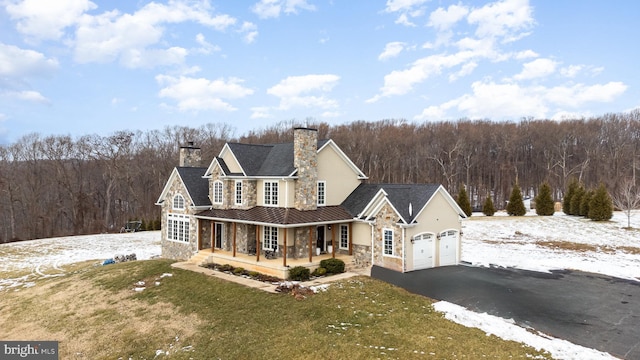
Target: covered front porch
{"points": [[278, 267]]}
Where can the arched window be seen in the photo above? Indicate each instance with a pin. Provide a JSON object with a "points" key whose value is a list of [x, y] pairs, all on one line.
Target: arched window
{"points": [[178, 202], [217, 192]]}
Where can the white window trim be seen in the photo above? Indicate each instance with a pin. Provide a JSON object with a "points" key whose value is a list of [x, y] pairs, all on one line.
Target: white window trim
{"points": [[340, 240], [215, 199], [272, 201], [384, 243], [324, 193], [238, 194], [271, 240], [181, 201], [178, 228]]}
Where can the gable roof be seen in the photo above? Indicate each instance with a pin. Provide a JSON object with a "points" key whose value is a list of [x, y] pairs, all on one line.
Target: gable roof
{"points": [[408, 200], [196, 186], [261, 160]]}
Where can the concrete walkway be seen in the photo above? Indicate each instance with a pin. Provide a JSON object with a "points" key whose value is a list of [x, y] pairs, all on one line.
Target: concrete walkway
{"points": [[268, 287]]}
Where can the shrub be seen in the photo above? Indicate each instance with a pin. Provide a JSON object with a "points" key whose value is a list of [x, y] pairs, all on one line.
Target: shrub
{"points": [[225, 267], [566, 202], [299, 273], [333, 266], [463, 201], [253, 274], [319, 271], [488, 209], [576, 199], [544, 201], [515, 207], [238, 271], [600, 207]]}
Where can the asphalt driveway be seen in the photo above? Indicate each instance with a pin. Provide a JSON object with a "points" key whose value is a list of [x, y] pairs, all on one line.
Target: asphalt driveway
{"points": [[591, 310]]}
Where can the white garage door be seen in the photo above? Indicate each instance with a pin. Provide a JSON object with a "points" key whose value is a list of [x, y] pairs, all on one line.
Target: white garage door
{"points": [[423, 251], [448, 247]]}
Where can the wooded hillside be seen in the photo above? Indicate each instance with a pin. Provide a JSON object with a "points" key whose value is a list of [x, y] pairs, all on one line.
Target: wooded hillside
{"points": [[58, 185]]}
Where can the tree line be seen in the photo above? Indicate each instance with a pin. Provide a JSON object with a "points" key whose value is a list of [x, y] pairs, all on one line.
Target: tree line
{"points": [[59, 185]]}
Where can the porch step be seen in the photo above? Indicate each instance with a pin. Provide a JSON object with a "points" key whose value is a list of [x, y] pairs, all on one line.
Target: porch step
{"points": [[200, 258]]}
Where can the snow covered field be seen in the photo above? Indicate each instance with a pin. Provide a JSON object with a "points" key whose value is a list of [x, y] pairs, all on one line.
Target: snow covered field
{"points": [[529, 242]]}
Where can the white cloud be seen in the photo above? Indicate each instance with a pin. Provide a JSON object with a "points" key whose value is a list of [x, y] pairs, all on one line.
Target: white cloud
{"points": [[571, 70], [536, 69], [400, 82], [504, 19], [294, 91], [391, 50], [194, 94], [19, 63], [26, 95], [250, 31], [206, 47], [46, 20], [465, 70], [113, 36], [272, 8], [403, 5], [442, 19], [261, 112], [526, 54], [512, 101]]}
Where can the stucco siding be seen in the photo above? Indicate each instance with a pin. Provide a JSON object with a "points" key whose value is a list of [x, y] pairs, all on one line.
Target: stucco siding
{"points": [[339, 177]]}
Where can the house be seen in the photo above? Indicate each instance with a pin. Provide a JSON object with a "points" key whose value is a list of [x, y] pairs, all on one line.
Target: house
{"points": [[269, 207]]}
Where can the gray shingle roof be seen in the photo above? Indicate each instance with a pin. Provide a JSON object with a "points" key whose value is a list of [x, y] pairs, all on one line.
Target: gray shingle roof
{"points": [[196, 185], [400, 196], [267, 159]]}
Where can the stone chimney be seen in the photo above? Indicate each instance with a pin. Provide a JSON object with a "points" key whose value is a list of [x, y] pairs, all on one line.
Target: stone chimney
{"points": [[305, 159], [190, 155]]}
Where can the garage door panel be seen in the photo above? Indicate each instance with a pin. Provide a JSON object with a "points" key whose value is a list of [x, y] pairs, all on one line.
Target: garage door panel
{"points": [[423, 252], [448, 248]]}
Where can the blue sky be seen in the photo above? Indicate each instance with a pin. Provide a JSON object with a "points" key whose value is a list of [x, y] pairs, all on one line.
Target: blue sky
{"points": [[82, 67]]}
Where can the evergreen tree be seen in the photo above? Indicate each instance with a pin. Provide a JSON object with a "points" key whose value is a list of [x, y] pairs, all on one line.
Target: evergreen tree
{"points": [[576, 200], [544, 201], [488, 209], [600, 206], [584, 203], [463, 201], [515, 207], [566, 201]]}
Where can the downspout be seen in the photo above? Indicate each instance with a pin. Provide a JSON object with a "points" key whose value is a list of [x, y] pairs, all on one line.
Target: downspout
{"points": [[403, 249]]}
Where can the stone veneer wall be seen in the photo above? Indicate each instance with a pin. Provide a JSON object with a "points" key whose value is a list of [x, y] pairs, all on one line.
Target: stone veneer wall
{"points": [[361, 255], [174, 249], [305, 159], [387, 219]]}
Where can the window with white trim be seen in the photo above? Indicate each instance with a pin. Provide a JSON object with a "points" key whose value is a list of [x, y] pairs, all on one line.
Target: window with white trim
{"points": [[271, 193], [217, 192], [344, 237], [178, 202], [387, 237], [238, 192], [178, 227], [322, 193], [270, 238]]}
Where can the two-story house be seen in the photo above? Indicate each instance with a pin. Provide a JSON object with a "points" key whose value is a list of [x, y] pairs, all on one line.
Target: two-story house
{"points": [[269, 207]]}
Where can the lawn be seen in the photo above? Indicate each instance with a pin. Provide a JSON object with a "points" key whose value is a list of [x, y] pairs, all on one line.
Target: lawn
{"points": [[95, 313]]}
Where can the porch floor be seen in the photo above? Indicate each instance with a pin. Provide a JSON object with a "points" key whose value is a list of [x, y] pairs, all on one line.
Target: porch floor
{"points": [[274, 267]]}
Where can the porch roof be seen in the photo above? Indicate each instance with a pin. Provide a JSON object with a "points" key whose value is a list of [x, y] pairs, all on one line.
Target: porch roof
{"points": [[286, 217]]}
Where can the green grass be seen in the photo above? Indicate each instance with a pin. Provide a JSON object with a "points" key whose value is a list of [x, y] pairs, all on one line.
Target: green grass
{"points": [[94, 311]]}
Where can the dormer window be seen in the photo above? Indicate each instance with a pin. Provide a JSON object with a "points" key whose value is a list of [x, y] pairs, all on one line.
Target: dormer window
{"points": [[178, 202], [217, 192]]}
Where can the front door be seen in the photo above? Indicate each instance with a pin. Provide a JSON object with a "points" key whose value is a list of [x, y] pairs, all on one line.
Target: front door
{"points": [[218, 237], [320, 239]]}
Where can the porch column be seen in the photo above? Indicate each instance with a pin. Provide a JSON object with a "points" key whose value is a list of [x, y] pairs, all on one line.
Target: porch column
{"points": [[213, 235], [198, 237], [257, 242], [234, 239], [333, 241], [350, 240], [310, 243], [284, 250]]}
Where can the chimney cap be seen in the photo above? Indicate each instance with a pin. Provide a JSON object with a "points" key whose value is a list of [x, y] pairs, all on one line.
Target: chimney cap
{"points": [[304, 128], [190, 145]]}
